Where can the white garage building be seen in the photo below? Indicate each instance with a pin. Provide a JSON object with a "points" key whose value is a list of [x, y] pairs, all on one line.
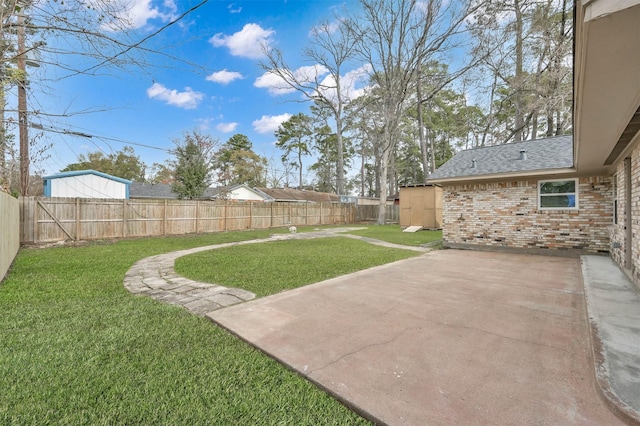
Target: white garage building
{"points": [[86, 184]]}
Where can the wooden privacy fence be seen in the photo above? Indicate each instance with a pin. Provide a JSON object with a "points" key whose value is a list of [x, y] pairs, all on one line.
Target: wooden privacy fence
{"points": [[58, 219], [9, 235], [369, 213]]}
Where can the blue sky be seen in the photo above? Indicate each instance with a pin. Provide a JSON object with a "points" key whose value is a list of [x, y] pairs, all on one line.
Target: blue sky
{"points": [[222, 92]]}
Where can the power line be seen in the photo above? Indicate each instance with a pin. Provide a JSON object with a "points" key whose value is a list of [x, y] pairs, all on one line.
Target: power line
{"points": [[93, 136]]}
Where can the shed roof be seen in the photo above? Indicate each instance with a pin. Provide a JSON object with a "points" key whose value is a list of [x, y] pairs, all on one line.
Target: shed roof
{"points": [[542, 155], [86, 172]]}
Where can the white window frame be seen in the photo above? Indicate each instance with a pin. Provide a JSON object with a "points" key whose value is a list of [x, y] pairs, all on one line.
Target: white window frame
{"points": [[541, 182]]}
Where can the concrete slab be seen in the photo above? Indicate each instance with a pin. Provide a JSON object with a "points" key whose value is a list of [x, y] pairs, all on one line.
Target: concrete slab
{"points": [[449, 337], [614, 316], [412, 229]]}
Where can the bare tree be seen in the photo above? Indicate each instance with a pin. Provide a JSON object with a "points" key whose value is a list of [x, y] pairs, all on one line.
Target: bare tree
{"points": [[331, 49], [73, 37], [395, 38]]}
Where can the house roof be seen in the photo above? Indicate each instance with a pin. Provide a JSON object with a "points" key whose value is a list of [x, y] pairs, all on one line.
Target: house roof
{"points": [[540, 156], [151, 190], [214, 192], [161, 190], [296, 195], [85, 172]]}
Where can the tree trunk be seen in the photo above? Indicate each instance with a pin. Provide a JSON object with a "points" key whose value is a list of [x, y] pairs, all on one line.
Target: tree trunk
{"points": [[340, 148], [382, 206], [421, 130], [300, 168], [519, 104]]}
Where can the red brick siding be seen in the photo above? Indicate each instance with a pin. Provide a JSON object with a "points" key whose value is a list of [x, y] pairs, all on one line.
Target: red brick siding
{"points": [[506, 214]]}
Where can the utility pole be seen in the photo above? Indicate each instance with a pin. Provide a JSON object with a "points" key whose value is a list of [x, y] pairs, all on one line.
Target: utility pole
{"points": [[22, 107]]}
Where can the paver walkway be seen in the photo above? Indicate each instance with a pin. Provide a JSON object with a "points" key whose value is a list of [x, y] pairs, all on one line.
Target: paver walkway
{"points": [[155, 276]]}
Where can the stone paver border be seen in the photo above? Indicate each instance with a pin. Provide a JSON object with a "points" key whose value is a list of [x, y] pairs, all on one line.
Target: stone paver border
{"points": [[155, 276]]}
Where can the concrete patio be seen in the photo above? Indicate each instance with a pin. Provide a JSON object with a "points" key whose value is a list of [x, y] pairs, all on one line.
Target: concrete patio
{"points": [[448, 337]]}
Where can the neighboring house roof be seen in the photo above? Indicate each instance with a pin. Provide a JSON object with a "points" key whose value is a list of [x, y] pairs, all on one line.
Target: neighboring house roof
{"points": [[161, 190], [215, 192], [151, 190], [540, 156], [85, 172], [296, 195]]}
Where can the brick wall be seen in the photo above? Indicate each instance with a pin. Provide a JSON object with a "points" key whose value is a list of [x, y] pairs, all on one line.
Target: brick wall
{"points": [[618, 233], [506, 214]]}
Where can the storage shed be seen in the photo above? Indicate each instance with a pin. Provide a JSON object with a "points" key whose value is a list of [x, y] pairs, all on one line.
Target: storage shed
{"points": [[421, 205], [86, 184]]}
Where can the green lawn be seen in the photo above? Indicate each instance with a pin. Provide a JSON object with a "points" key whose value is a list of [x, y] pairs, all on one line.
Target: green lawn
{"points": [[275, 266], [389, 233], [77, 348], [394, 234]]}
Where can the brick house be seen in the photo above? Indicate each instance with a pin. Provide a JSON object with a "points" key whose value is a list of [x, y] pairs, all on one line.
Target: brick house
{"points": [[524, 195], [579, 193]]}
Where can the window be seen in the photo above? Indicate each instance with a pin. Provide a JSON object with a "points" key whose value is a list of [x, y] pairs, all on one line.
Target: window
{"points": [[558, 194]]}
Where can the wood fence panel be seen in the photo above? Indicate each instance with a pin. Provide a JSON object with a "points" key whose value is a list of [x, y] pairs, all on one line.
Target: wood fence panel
{"points": [[369, 213], [261, 215], [101, 219], [145, 217], [9, 231], [211, 217], [57, 219]]}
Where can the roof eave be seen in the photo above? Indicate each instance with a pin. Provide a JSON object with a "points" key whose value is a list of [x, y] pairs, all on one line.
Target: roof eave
{"points": [[497, 176]]}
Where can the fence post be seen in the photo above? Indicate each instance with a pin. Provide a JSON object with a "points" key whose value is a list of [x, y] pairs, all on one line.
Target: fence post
{"points": [[271, 219], [124, 218], [164, 219], [35, 221], [197, 215], [250, 214], [306, 213], [226, 212], [77, 219]]}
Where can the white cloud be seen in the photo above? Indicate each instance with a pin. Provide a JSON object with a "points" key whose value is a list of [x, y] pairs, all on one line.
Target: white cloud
{"points": [[224, 76], [352, 83], [324, 29], [277, 86], [273, 83], [248, 43], [269, 123], [227, 127], [188, 99], [134, 14], [234, 10]]}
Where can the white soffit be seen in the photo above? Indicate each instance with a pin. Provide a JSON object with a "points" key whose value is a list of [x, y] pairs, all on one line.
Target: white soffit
{"points": [[598, 8]]}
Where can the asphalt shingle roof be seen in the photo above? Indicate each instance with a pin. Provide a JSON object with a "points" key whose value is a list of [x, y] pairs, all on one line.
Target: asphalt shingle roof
{"points": [[541, 155]]}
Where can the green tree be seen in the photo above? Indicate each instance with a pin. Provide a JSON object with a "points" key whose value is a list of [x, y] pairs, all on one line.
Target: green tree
{"points": [[236, 163], [162, 173], [294, 137], [124, 164], [193, 164]]}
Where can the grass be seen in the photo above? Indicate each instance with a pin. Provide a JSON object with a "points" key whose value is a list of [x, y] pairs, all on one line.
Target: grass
{"points": [[76, 348], [394, 234], [272, 267]]}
